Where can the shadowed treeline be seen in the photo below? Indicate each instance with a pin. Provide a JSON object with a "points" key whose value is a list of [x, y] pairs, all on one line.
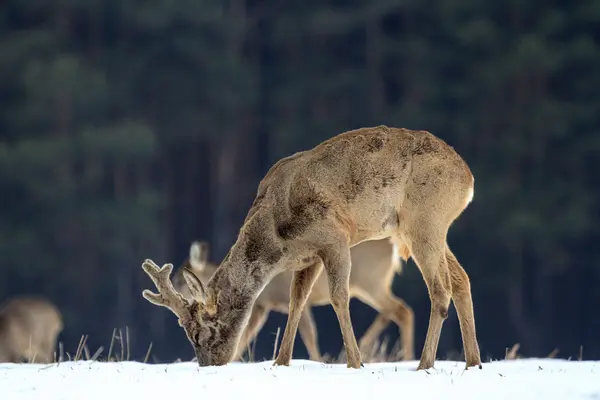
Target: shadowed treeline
{"points": [[129, 129]]}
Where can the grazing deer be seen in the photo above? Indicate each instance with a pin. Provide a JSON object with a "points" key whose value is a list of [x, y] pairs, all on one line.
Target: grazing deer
{"points": [[310, 209], [29, 327], [374, 265]]}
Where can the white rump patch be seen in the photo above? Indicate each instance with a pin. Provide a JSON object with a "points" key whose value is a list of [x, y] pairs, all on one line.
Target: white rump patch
{"points": [[396, 263], [470, 195]]}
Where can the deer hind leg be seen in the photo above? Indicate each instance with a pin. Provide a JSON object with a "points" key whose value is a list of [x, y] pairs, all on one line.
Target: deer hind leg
{"points": [[403, 316], [302, 284], [428, 249], [308, 333], [255, 323], [463, 303], [391, 308], [372, 334], [337, 266]]}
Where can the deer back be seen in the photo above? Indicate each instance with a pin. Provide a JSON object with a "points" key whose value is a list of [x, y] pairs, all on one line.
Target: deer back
{"points": [[362, 184]]}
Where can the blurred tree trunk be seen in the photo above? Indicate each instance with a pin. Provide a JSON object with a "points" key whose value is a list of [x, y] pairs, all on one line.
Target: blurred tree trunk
{"points": [[121, 188], [373, 53], [516, 291], [224, 191], [199, 202], [190, 204], [237, 161]]}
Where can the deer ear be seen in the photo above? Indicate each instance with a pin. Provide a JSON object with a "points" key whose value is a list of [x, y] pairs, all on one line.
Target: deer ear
{"points": [[199, 254], [194, 284]]}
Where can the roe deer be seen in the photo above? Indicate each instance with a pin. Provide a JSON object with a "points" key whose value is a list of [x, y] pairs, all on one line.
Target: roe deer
{"points": [[374, 265], [310, 209], [29, 328]]}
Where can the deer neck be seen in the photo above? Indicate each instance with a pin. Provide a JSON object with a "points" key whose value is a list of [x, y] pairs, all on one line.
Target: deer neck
{"points": [[236, 284], [250, 264]]}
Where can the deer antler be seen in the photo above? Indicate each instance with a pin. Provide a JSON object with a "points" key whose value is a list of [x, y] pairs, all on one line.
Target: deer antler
{"points": [[167, 296]]}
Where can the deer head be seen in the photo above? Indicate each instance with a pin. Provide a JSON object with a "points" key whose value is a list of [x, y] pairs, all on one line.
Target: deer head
{"points": [[198, 264], [199, 254], [29, 327], [214, 341]]}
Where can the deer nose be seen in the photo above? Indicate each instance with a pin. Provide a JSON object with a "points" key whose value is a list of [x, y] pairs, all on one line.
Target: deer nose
{"points": [[200, 358]]}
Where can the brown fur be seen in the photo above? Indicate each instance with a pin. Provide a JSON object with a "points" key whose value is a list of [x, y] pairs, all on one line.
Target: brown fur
{"points": [[366, 184], [374, 264], [29, 328]]}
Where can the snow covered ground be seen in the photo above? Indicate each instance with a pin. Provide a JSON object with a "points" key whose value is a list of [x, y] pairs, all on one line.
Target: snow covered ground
{"points": [[521, 379]]}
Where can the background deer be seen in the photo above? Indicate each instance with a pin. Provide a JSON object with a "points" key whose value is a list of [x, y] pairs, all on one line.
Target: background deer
{"points": [[374, 265], [29, 328], [310, 209]]}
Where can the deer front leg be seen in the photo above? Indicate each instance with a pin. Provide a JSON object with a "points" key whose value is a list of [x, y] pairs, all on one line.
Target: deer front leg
{"points": [[337, 266], [302, 284], [308, 333], [46, 352], [255, 323]]}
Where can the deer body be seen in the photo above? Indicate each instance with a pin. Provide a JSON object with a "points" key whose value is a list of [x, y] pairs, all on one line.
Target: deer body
{"points": [[29, 327], [374, 265], [310, 209]]}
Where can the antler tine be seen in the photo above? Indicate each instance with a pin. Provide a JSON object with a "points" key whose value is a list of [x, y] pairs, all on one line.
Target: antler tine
{"points": [[167, 296]]}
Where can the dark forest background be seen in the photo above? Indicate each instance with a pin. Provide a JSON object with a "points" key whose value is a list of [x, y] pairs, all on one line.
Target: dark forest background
{"points": [[130, 128]]}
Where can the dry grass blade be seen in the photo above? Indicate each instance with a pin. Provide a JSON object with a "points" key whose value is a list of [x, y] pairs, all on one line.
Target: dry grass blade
{"points": [[86, 350], [397, 352], [383, 351], [30, 358], [122, 346], [341, 358], [80, 347], [112, 343], [254, 349], [580, 353], [553, 353], [512, 353], [367, 353], [127, 342], [276, 343], [376, 351], [61, 352], [148, 353], [249, 351], [97, 353]]}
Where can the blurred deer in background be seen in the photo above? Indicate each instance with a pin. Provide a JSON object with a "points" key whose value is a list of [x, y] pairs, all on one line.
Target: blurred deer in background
{"points": [[374, 265], [29, 328], [311, 208]]}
